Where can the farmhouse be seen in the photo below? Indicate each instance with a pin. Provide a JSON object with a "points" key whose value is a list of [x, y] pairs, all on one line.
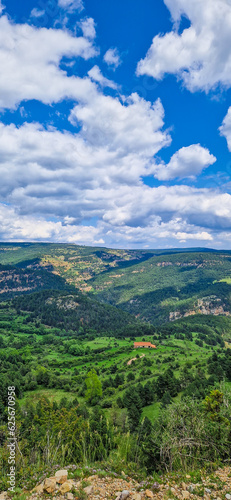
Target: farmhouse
{"points": [[148, 345]]}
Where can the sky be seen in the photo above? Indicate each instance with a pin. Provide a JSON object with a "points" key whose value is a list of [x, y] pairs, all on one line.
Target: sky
{"points": [[115, 122]]}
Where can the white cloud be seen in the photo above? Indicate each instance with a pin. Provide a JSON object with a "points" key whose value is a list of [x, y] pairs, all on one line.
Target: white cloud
{"points": [[200, 55], [88, 28], [71, 5], [52, 174], [26, 228], [31, 57], [115, 146], [98, 171], [225, 128], [187, 162], [15, 227], [37, 13], [97, 76], [156, 234], [128, 128], [200, 236], [112, 58], [202, 207]]}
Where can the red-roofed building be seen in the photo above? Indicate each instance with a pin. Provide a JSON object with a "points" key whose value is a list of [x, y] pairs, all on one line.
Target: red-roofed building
{"points": [[147, 345]]}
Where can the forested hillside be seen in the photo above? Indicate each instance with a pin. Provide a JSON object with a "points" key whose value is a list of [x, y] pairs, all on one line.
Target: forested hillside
{"points": [[166, 288], [154, 286]]}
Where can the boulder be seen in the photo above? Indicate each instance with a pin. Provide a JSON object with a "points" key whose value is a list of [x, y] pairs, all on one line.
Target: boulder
{"points": [[124, 495], [228, 496], [66, 487], [61, 476], [38, 489], [185, 494], [3, 495], [70, 496], [50, 485]]}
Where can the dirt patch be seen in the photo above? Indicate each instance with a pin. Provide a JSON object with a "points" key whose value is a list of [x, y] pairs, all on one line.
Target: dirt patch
{"points": [[134, 359]]}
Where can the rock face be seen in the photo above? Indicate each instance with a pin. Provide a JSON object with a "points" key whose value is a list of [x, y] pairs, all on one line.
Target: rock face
{"points": [[207, 305]]}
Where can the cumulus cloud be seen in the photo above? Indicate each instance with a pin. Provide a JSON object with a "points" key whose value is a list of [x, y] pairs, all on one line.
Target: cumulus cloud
{"points": [[26, 228], [97, 76], [131, 128], [88, 28], [15, 227], [114, 146], [225, 128], [31, 58], [200, 55], [202, 207], [98, 172], [175, 232], [112, 58], [46, 173], [187, 162]]}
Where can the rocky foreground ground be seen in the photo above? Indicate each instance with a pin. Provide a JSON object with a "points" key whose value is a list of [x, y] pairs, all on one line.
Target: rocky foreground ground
{"points": [[95, 487]]}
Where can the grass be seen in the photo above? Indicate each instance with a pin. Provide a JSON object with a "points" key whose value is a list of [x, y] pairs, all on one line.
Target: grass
{"points": [[151, 411], [52, 394], [224, 280]]}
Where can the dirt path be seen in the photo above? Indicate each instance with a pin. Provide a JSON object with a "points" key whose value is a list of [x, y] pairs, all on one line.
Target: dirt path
{"points": [[133, 359]]}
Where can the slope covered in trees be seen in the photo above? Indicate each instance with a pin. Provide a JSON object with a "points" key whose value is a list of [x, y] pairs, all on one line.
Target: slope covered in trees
{"points": [[156, 286]]}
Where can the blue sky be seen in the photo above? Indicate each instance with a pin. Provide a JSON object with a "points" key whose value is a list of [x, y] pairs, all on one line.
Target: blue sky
{"points": [[115, 125]]}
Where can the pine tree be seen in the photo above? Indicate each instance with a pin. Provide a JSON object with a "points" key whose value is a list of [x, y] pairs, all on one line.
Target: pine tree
{"points": [[94, 388]]}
